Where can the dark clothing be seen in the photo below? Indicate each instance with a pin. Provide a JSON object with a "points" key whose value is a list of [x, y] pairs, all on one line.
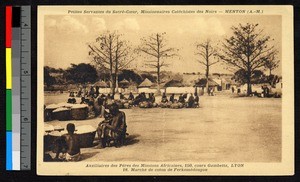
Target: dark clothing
{"points": [[181, 99], [191, 101], [131, 97], [172, 98], [197, 99]]}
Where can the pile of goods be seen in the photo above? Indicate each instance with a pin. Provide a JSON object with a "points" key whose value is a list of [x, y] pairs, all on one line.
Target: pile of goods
{"points": [[176, 105], [146, 104], [66, 111], [86, 134]]}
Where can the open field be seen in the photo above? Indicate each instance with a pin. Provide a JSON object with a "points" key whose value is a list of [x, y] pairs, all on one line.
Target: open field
{"points": [[223, 129]]}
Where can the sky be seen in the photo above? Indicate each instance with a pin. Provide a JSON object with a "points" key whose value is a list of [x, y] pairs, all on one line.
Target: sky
{"points": [[67, 36]]}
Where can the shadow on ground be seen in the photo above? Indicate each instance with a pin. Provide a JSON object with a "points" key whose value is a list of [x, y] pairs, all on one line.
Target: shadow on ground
{"points": [[132, 139]]}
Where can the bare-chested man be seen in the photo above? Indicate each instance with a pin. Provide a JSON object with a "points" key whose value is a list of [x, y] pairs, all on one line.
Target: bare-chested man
{"points": [[113, 128], [71, 141]]}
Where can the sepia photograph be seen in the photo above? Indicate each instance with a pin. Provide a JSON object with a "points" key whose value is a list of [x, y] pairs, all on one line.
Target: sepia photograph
{"points": [[162, 90]]}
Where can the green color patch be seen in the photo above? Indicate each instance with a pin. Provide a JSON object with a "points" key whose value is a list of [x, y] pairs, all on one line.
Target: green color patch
{"points": [[8, 110]]}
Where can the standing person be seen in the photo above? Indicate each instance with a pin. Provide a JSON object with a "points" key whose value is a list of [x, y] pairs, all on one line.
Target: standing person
{"points": [[232, 89], [71, 142], [196, 100], [172, 98], [97, 93], [91, 93]]}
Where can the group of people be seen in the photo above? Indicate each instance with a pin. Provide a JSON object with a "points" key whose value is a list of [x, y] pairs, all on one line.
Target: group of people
{"points": [[193, 101], [111, 130]]}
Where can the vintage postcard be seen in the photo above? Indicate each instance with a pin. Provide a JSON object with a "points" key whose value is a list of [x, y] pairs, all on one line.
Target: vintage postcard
{"points": [[165, 90]]}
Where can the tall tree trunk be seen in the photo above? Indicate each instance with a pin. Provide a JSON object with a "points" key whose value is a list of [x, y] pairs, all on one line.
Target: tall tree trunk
{"points": [[206, 75], [158, 65], [158, 77], [249, 86]]}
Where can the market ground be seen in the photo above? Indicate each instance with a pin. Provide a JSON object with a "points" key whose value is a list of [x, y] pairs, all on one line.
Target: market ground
{"points": [[223, 129]]}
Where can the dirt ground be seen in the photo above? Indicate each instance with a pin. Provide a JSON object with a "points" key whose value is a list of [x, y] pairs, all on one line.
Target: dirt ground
{"points": [[223, 129]]}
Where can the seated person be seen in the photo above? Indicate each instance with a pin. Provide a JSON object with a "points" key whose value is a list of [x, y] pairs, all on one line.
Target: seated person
{"points": [[172, 98], [181, 99], [122, 96], [91, 110], [191, 101], [113, 127], [164, 98], [69, 145], [131, 97]]}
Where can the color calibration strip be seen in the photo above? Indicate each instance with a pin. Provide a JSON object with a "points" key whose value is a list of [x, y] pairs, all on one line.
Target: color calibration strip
{"points": [[17, 84], [8, 56]]}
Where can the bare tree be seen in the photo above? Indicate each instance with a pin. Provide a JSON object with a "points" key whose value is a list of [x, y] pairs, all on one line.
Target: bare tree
{"points": [[156, 46], [247, 49], [207, 53], [111, 52], [272, 64]]}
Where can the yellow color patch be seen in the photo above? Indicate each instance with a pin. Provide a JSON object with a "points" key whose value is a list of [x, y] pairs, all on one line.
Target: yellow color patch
{"points": [[8, 68]]}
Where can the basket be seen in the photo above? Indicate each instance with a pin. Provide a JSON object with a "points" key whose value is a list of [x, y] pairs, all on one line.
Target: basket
{"points": [[86, 134], [48, 112], [62, 114], [50, 138], [79, 112]]}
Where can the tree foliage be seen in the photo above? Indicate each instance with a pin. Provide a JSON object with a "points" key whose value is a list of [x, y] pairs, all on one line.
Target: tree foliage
{"points": [[207, 54], [48, 79], [155, 46], [81, 73], [247, 49], [112, 52]]}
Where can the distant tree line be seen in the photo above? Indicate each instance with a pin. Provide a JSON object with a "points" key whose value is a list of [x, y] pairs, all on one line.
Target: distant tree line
{"points": [[247, 53]]}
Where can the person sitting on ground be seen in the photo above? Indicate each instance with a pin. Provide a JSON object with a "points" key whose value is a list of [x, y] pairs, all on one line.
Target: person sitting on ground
{"points": [[172, 98], [152, 98], [164, 98], [122, 96], [181, 99], [114, 127], [131, 97], [191, 101], [196, 100], [82, 100], [91, 110], [185, 95], [70, 141]]}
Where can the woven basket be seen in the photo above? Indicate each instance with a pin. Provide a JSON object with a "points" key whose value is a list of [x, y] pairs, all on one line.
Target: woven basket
{"points": [[79, 113], [86, 139], [62, 115]]}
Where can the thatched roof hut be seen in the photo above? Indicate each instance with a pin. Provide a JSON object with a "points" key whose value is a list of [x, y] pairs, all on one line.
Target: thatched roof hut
{"points": [[174, 83], [145, 84], [124, 83], [202, 83], [101, 84]]}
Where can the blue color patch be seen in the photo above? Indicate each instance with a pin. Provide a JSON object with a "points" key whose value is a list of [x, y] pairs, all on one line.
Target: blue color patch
{"points": [[9, 150]]}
